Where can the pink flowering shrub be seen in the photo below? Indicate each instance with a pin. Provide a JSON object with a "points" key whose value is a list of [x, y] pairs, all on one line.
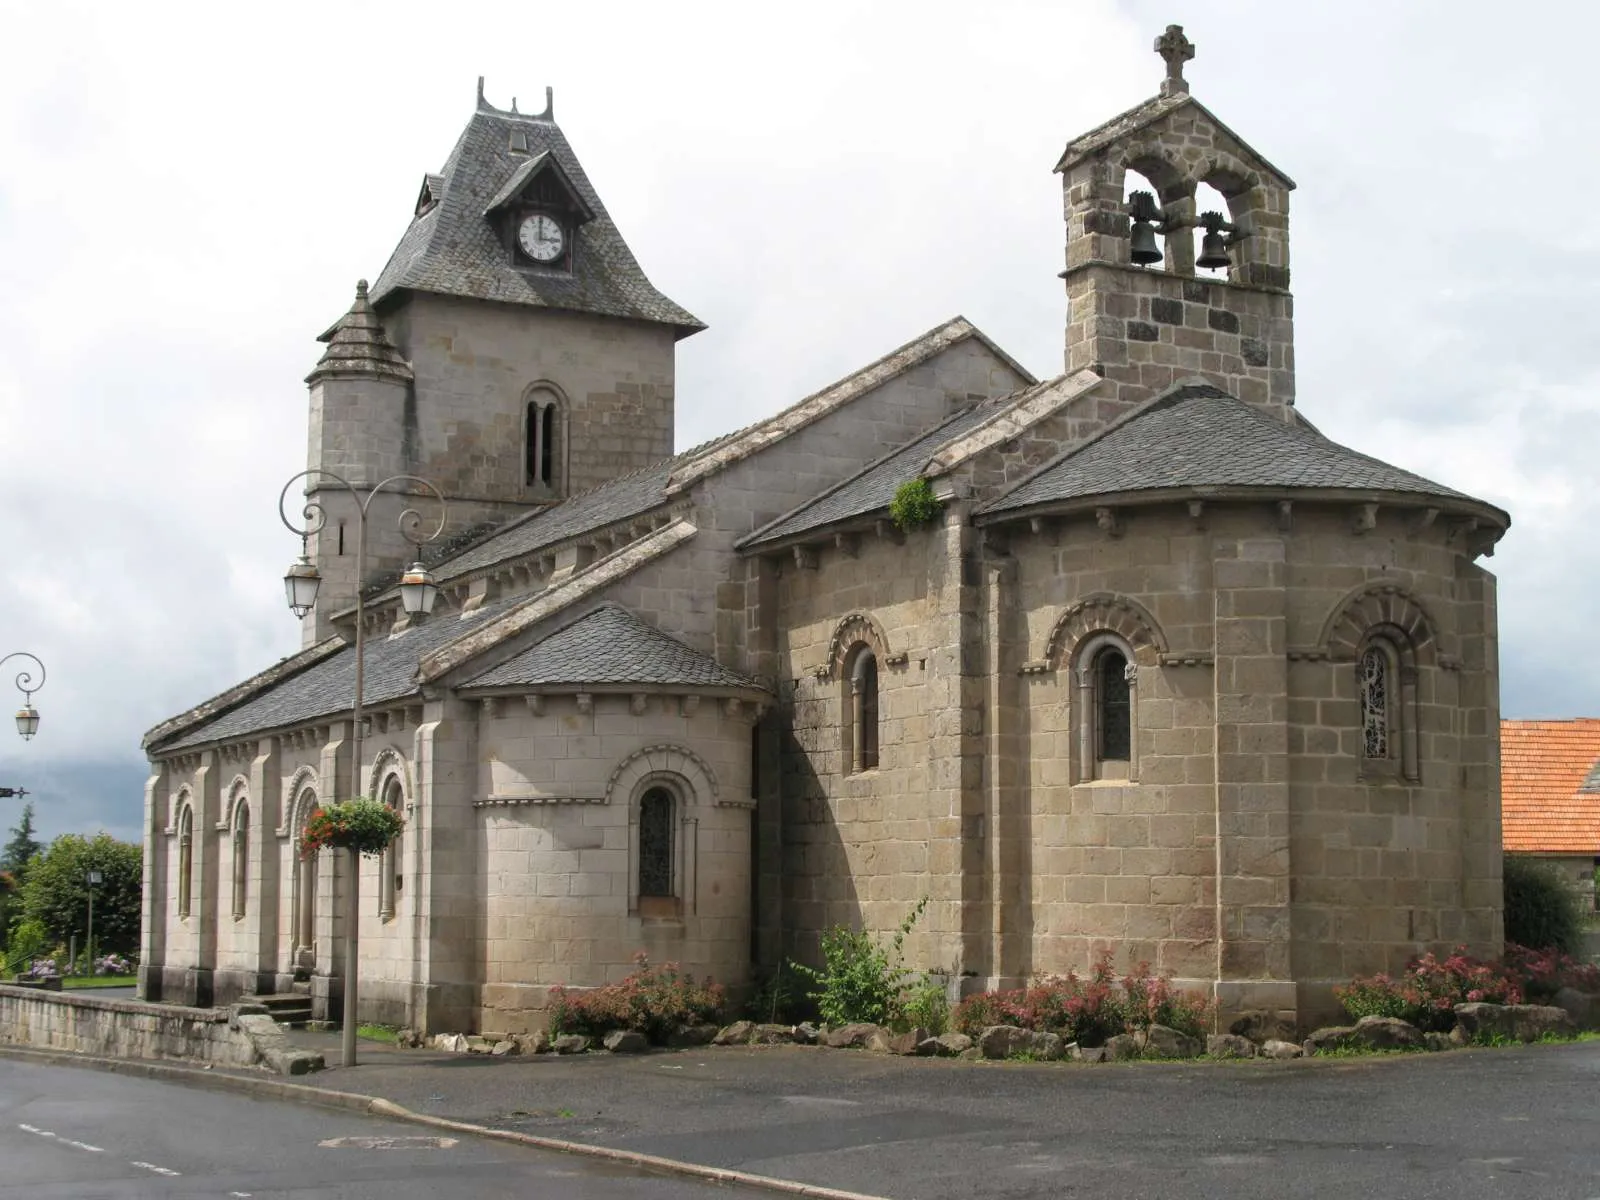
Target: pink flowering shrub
{"points": [[1086, 1010], [654, 1000], [1426, 993], [1543, 973]]}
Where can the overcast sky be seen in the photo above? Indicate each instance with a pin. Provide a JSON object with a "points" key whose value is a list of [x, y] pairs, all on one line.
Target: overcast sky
{"points": [[188, 195]]}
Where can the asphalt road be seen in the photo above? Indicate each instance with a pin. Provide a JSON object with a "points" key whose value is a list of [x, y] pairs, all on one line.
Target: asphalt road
{"points": [[72, 1132], [1515, 1122]]}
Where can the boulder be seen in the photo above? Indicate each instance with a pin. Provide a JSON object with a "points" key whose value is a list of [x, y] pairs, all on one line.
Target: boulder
{"points": [[1513, 1022], [1047, 1047], [1230, 1045], [772, 1035], [504, 1048], [1160, 1041], [1259, 1026], [805, 1034], [927, 1048], [1330, 1037], [455, 1043], [737, 1034], [1434, 1040], [1122, 1046], [533, 1043], [477, 1044], [850, 1037], [1582, 1007], [952, 1044], [1002, 1041], [692, 1035], [626, 1041], [907, 1043], [1387, 1033], [408, 1039], [570, 1043], [1088, 1054], [970, 1054], [1275, 1048]]}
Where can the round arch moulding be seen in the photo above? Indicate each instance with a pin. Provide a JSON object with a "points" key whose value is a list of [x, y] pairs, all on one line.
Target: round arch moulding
{"points": [[386, 762], [663, 760], [237, 792], [1103, 612], [857, 628], [305, 776], [1376, 604]]}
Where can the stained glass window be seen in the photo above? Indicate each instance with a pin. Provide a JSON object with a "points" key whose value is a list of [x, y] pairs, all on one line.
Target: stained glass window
{"points": [[1374, 685], [1115, 710], [655, 843]]}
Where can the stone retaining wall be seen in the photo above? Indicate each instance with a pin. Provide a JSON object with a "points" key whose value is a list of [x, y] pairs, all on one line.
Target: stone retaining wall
{"points": [[121, 1028]]}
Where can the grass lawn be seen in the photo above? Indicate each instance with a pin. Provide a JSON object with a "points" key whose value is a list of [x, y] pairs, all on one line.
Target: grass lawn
{"points": [[73, 982], [377, 1033]]}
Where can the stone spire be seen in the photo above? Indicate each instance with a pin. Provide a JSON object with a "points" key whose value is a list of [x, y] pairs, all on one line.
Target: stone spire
{"points": [[358, 345]]}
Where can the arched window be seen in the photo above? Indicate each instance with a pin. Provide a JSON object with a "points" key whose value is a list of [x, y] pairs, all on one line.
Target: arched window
{"points": [[542, 431], [305, 889], [655, 843], [1107, 709], [1113, 707], [241, 858], [864, 714], [392, 862], [1386, 697], [185, 859]]}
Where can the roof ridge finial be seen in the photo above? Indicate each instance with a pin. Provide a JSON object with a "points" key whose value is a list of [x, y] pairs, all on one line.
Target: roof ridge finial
{"points": [[361, 290], [1177, 50]]}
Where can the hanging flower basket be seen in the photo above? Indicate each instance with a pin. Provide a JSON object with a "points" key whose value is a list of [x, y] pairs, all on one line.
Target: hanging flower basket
{"points": [[365, 826]]}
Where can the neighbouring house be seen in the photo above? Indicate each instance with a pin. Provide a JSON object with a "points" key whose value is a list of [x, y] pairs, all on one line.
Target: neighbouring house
{"points": [[1154, 667], [1550, 795]]}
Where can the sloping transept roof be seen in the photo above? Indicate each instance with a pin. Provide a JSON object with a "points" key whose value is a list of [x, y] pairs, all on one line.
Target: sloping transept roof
{"points": [[1550, 786]]}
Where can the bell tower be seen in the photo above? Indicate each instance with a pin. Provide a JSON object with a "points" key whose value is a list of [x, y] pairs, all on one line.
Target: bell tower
{"points": [[1139, 312]]}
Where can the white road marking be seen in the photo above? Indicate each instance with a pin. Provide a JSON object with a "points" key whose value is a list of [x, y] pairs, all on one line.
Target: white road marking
{"points": [[65, 1141], [243, 1195], [156, 1169], [389, 1143]]}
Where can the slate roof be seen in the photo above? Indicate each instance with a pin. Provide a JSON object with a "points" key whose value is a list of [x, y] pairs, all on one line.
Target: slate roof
{"points": [[454, 250], [1550, 786], [1198, 436], [610, 646], [328, 686], [871, 490]]}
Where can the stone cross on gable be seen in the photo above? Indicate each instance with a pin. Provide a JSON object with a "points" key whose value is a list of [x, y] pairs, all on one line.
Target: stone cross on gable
{"points": [[1177, 50]]}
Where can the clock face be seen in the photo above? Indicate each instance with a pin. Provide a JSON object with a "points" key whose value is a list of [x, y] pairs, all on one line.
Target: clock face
{"points": [[541, 238]]}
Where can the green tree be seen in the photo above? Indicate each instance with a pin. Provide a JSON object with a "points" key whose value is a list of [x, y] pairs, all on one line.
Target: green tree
{"points": [[22, 847], [56, 891]]}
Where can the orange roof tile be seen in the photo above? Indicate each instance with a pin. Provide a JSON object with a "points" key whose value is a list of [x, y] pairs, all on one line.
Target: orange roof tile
{"points": [[1544, 804]]}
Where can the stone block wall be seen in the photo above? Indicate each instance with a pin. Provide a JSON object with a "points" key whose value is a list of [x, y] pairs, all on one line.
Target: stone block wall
{"points": [[81, 1024], [559, 784]]}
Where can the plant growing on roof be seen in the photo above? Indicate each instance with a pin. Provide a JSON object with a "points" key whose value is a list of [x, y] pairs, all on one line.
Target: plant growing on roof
{"points": [[914, 505], [364, 825]]}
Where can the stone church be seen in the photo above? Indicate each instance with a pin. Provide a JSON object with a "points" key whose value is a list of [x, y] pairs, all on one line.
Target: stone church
{"points": [[1157, 668]]}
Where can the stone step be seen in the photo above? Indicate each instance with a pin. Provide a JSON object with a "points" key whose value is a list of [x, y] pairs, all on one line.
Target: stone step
{"points": [[286, 1008]]}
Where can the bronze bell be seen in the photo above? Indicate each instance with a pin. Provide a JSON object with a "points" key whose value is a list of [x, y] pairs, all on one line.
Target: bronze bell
{"points": [[1142, 248], [1213, 251]]}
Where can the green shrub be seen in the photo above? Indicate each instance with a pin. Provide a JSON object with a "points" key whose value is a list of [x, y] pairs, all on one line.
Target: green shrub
{"points": [[1088, 1010], [1543, 911], [926, 1006], [363, 825], [914, 505], [775, 1000], [861, 979], [654, 1000], [1426, 993]]}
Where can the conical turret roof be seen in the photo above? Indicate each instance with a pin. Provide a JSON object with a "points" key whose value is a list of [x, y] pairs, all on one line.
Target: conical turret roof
{"points": [[358, 345]]}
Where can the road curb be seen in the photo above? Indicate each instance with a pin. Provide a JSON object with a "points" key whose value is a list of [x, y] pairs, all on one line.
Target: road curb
{"points": [[377, 1106]]}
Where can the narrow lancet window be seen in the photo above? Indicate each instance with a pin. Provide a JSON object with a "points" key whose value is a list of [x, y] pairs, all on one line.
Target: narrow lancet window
{"points": [[1374, 685], [1114, 717], [655, 843], [185, 860], [241, 859], [864, 689]]}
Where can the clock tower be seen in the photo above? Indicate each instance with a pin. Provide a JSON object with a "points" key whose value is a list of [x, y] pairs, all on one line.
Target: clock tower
{"points": [[512, 352]]}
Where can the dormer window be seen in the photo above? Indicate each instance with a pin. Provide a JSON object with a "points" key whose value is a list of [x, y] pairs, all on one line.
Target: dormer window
{"points": [[538, 211]]}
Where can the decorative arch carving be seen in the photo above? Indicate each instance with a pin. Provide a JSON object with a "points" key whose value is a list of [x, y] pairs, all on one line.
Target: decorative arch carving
{"points": [[238, 793], [386, 762], [1371, 605], [855, 628], [663, 760], [1152, 161], [183, 797], [1104, 612], [304, 777]]}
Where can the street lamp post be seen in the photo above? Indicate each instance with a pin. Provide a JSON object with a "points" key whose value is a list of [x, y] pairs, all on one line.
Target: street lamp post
{"points": [[417, 592], [27, 715], [94, 879]]}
